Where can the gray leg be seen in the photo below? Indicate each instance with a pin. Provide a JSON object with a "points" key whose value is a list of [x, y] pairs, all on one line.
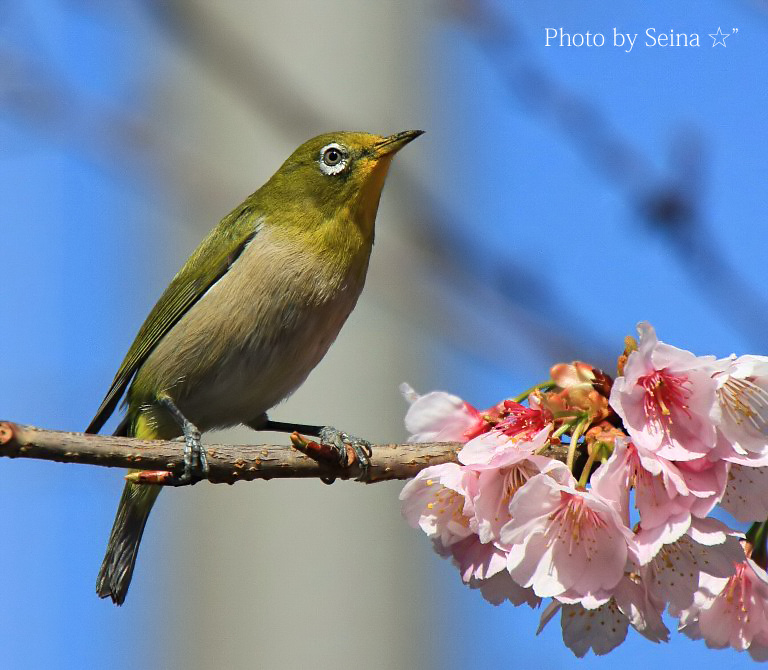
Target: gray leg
{"points": [[195, 458]]}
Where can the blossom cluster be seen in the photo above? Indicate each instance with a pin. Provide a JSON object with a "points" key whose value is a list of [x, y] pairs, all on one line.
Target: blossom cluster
{"points": [[598, 494]]}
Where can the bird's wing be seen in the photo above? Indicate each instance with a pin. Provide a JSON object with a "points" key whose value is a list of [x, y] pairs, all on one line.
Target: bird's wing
{"points": [[207, 265]]}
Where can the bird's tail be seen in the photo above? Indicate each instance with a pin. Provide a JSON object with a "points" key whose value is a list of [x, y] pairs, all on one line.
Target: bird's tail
{"points": [[132, 513]]}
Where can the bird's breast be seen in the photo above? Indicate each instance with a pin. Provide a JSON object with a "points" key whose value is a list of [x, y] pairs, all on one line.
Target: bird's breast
{"points": [[256, 334]]}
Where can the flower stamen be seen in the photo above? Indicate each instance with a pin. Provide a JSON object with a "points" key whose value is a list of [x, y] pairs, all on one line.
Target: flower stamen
{"points": [[575, 520], [743, 400], [665, 392]]}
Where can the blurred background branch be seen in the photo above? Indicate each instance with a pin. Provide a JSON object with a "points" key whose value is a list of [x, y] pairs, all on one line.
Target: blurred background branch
{"points": [[667, 201]]}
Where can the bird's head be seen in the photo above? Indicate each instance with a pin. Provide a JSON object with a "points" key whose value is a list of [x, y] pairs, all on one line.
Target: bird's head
{"points": [[338, 176]]}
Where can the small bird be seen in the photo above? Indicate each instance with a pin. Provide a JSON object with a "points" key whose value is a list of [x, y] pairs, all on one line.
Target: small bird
{"points": [[248, 316]]}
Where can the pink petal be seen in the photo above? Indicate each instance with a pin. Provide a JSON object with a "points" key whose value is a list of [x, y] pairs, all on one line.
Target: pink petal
{"points": [[602, 629], [746, 495], [438, 416], [501, 587]]}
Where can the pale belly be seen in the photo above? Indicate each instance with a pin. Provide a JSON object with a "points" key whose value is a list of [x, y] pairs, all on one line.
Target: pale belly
{"points": [[251, 340], [257, 377]]}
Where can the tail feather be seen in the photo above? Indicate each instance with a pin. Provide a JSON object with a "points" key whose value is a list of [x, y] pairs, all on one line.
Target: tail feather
{"points": [[132, 514], [120, 559]]}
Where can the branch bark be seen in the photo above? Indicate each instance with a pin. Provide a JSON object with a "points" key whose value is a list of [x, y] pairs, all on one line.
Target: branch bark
{"points": [[227, 463]]}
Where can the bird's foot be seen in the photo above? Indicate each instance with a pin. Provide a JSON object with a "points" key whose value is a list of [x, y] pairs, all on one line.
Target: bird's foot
{"points": [[339, 440], [335, 446], [195, 457]]}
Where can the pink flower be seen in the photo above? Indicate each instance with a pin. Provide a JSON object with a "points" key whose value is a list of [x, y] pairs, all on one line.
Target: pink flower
{"points": [[519, 527], [706, 481], [658, 484], [601, 629], [516, 420], [667, 494], [503, 466], [634, 600], [483, 567], [437, 501], [565, 542], [708, 547], [604, 628], [746, 496], [501, 588], [742, 393], [439, 417], [493, 447], [731, 611], [667, 399], [476, 560]]}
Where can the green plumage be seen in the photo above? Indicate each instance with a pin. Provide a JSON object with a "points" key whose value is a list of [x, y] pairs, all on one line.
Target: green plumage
{"points": [[209, 262]]}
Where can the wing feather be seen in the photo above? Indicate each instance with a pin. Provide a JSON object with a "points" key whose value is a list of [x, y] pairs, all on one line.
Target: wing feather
{"points": [[205, 267]]}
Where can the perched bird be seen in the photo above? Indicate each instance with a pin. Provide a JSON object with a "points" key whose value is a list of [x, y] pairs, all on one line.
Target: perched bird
{"points": [[248, 316]]}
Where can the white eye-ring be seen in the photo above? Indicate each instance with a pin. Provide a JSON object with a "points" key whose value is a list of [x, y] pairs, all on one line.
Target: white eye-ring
{"points": [[333, 159]]}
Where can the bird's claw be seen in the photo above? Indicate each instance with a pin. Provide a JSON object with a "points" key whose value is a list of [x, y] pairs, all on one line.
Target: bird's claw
{"points": [[195, 460], [342, 442], [334, 447]]}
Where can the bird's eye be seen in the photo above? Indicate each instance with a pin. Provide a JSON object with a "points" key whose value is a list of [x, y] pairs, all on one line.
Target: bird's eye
{"points": [[333, 159], [332, 156]]}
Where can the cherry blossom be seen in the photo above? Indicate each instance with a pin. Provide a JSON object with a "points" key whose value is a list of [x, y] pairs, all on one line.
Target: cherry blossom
{"points": [[493, 447], [667, 399], [667, 495], [503, 466], [742, 394], [601, 629], [746, 495], [673, 574], [476, 560], [437, 501], [538, 505], [634, 600], [439, 417], [604, 628], [516, 420], [565, 542], [660, 489], [732, 611]]}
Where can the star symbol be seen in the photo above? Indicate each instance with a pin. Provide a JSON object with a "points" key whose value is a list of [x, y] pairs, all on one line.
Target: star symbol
{"points": [[719, 37]]}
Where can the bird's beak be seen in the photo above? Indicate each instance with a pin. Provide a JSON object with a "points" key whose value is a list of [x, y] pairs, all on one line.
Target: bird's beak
{"points": [[393, 143]]}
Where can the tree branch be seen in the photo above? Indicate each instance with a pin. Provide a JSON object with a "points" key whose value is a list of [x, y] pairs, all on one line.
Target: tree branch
{"points": [[227, 463]]}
